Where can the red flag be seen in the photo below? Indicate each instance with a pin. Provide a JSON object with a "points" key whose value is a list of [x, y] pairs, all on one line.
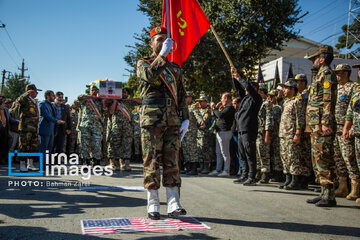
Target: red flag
{"points": [[188, 23]]}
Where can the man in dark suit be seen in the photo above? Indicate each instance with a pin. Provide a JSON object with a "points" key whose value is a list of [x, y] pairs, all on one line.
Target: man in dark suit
{"points": [[47, 122], [247, 126], [5, 121], [61, 130]]}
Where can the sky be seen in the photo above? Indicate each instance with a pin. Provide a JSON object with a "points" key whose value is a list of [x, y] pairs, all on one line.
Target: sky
{"points": [[67, 44]]}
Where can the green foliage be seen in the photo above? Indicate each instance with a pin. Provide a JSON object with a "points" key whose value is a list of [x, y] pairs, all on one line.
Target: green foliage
{"points": [[247, 28], [355, 30], [14, 87]]}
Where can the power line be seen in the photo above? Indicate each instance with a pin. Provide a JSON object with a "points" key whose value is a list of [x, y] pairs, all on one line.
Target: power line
{"points": [[319, 10], [8, 53], [11, 40], [324, 26]]}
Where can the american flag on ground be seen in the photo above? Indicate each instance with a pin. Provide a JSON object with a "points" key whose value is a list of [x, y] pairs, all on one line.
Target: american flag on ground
{"points": [[131, 225]]}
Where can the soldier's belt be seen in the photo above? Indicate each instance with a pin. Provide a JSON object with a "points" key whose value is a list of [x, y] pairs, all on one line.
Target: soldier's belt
{"points": [[157, 101]]}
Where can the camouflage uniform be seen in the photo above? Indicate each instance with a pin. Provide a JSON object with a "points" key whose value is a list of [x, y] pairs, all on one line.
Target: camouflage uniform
{"points": [[162, 112], [353, 114], [188, 144], [275, 140], [266, 123], [321, 110], [90, 126], [305, 147], [73, 143], [137, 133], [344, 149], [121, 133], [28, 123], [203, 135], [292, 119]]}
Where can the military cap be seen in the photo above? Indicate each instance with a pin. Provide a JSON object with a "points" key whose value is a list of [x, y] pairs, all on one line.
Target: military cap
{"points": [[87, 90], [322, 49], [158, 30], [189, 94], [356, 65], [299, 77], [342, 67], [31, 87], [273, 92], [289, 83], [93, 86], [202, 98]]}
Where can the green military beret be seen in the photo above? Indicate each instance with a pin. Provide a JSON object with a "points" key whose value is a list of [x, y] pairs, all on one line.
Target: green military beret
{"points": [[342, 67], [300, 77]]}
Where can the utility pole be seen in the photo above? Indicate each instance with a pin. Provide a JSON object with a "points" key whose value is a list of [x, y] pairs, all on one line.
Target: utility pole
{"points": [[3, 81], [23, 70]]}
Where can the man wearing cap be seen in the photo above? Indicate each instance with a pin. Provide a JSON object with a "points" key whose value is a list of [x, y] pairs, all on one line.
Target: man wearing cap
{"points": [[189, 147], [321, 114], [247, 126], [27, 106], [263, 140], [90, 125], [303, 93], [164, 121], [275, 159], [344, 148], [352, 130], [121, 131], [203, 118], [292, 124]]}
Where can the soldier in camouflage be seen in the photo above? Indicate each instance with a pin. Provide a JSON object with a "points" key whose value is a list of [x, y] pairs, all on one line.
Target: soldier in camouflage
{"points": [[203, 118], [344, 148], [72, 145], [321, 114], [188, 146], [352, 130], [90, 125], [137, 135], [292, 124], [121, 133], [275, 141], [164, 121], [266, 125], [303, 93], [27, 106]]}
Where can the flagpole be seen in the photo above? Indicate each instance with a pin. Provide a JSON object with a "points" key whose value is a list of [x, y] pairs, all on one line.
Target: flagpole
{"points": [[221, 46], [167, 19]]}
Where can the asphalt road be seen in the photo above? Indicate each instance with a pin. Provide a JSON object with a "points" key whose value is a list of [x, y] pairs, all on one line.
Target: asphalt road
{"points": [[232, 211]]}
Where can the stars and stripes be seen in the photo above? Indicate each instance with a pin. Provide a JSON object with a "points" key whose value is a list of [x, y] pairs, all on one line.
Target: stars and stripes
{"points": [[131, 225]]}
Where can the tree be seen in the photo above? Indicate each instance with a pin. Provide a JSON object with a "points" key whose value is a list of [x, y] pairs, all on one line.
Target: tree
{"points": [[354, 30], [15, 86], [249, 29]]}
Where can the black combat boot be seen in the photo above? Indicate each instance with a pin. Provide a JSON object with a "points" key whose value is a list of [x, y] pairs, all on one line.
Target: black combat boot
{"points": [[287, 181], [264, 177], [328, 198], [276, 176], [295, 183], [304, 182], [193, 169], [318, 198], [241, 179]]}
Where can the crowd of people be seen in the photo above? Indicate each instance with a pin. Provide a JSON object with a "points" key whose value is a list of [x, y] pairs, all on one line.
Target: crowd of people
{"points": [[294, 134]]}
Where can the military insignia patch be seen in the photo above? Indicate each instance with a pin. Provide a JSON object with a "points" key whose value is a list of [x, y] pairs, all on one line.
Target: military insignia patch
{"points": [[157, 83], [32, 109], [299, 105], [357, 89], [158, 30], [326, 84], [206, 115], [354, 100], [312, 91], [347, 84], [343, 98]]}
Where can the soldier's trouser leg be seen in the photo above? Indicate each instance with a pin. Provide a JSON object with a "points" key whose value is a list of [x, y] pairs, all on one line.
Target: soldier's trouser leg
{"points": [[190, 148], [357, 150], [247, 151], [275, 156], [263, 151], [322, 151], [126, 142], [28, 143], [137, 145], [283, 156], [345, 157], [305, 155], [96, 143], [161, 144], [85, 143]]}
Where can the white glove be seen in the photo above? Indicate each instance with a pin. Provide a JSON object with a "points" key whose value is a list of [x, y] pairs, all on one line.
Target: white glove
{"points": [[166, 47], [183, 129]]}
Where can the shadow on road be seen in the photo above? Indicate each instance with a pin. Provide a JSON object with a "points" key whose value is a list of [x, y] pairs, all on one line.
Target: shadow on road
{"points": [[289, 226]]}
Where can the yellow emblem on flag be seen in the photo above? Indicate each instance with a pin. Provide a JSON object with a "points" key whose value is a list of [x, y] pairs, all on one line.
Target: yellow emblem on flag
{"points": [[326, 84]]}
